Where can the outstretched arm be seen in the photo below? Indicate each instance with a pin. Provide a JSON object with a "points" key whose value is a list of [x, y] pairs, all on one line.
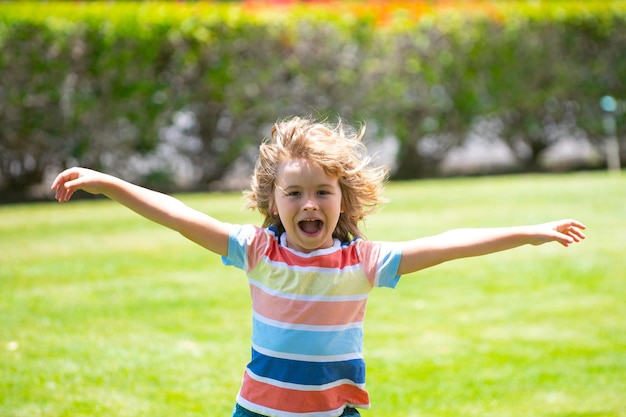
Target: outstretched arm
{"points": [[160, 208], [463, 243]]}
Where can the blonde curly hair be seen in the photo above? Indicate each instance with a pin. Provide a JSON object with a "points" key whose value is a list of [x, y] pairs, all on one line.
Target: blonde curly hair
{"points": [[338, 150]]}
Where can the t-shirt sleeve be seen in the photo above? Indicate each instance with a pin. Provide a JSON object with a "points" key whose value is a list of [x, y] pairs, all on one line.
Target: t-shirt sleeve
{"points": [[246, 244], [380, 261]]}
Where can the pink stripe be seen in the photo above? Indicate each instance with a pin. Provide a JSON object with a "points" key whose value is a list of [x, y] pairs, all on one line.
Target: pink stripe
{"points": [[320, 313], [296, 401], [341, 258]]}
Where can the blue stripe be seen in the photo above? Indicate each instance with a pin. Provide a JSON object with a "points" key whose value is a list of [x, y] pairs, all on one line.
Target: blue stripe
{"points": [[307, 373], [304, 342], [237, 245], [388, 264]]}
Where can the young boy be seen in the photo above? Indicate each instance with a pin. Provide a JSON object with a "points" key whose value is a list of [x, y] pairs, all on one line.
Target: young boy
{"points": [[309, 268]]}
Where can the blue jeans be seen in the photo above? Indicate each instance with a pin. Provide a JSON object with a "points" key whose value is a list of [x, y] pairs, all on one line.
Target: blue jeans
{"points": [[239, 411]]}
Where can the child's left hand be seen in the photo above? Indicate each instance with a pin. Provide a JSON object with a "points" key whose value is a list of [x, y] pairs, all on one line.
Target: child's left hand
{"points": [[565, 232]]}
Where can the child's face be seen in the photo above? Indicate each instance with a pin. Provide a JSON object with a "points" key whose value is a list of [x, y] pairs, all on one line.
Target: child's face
{"points": [[308, 202]]}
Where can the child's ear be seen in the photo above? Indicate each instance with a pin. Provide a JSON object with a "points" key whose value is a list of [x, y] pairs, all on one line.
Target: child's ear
{"points": [[271, 208]]}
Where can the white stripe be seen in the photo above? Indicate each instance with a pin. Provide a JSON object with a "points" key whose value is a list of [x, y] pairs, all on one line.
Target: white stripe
{"points": [[307, 327], [305, 297], [377, 280], [299, 387], [308, 358]]}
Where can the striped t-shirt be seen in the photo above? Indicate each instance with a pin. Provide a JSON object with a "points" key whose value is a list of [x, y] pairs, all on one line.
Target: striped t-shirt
{"points": [[307, 324]]}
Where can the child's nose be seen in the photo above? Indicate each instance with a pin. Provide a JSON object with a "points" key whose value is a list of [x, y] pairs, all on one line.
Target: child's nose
{"points": [[310, 204]]}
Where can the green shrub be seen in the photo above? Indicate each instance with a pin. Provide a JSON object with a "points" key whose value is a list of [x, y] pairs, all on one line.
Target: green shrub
{"points": [[95, 83]]}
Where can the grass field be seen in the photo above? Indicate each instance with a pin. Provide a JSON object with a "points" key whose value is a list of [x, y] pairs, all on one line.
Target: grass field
{"points": [[105, 314]]}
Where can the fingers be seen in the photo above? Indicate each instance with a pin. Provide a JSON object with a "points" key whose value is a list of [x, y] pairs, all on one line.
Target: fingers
{"points": [[564, 239], [571, 231], [65, 184], [577, 234], [63, 192], [574, 229], [63, 177]]}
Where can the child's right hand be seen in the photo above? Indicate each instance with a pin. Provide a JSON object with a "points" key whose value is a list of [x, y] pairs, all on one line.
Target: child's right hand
{"points": [[74, 179], [158, 207]]}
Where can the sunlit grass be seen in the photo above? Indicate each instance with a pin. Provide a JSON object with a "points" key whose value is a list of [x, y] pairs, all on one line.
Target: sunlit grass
{"points": [[106, 314]]}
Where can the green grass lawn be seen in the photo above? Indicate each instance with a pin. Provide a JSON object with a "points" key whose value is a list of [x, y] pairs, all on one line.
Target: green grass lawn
{"points": [[103, 313]]}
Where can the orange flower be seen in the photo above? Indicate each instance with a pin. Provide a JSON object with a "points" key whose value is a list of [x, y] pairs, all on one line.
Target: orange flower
{"points": [[383, 12]]}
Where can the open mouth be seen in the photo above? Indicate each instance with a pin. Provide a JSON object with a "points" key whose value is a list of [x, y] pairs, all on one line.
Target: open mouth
{"points": [[311, 226]]}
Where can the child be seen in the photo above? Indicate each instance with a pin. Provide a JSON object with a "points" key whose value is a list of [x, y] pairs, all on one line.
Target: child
{"points": [[309, 268]]}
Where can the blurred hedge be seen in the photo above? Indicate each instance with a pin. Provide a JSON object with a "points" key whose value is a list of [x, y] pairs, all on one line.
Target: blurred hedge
{"points": [[146, 90]]}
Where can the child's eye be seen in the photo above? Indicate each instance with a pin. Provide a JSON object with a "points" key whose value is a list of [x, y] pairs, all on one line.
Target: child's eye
{"points": [[293, 194], [323, 192]]}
